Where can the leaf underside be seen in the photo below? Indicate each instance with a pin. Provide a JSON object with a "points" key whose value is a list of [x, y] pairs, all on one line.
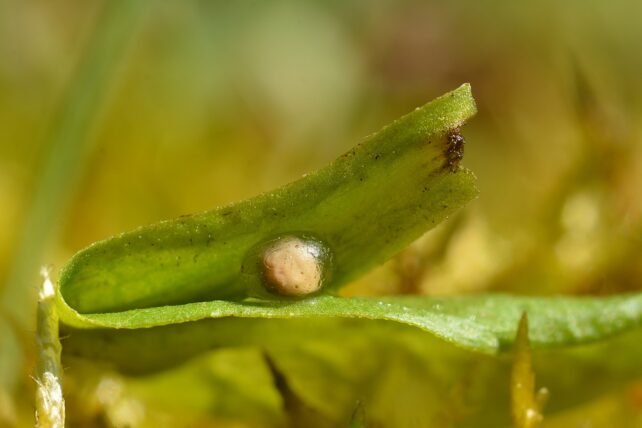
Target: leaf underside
{"points": [[484, 323]]}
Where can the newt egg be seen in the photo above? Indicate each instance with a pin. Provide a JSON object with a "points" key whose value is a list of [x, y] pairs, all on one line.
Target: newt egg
{"points": [[293, 266]]}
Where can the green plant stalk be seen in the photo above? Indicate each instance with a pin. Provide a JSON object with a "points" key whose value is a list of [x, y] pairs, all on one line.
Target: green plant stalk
{"points": [[50, 405], [66, 147], [526, 404]]}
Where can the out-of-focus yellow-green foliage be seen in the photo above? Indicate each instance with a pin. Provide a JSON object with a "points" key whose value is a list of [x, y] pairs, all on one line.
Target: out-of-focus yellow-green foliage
{"points": [[213, 102]]}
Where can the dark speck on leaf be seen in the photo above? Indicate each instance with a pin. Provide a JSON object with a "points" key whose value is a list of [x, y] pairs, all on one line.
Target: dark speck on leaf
{"points": [[348, 154]]}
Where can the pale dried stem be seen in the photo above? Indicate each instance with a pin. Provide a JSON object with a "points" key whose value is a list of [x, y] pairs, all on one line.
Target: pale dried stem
{"points": [[50, 404]]}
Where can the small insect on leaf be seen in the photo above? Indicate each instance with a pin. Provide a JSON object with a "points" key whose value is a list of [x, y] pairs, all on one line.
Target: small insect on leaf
{"points": [[455, 150]]}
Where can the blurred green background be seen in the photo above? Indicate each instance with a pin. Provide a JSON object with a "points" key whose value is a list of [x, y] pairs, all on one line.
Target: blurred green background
{"points": [[115, 114]]}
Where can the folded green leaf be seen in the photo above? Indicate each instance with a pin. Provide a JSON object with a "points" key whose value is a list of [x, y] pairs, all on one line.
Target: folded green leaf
{"points": [[188, 285], [191, 284], [362, 208]]}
